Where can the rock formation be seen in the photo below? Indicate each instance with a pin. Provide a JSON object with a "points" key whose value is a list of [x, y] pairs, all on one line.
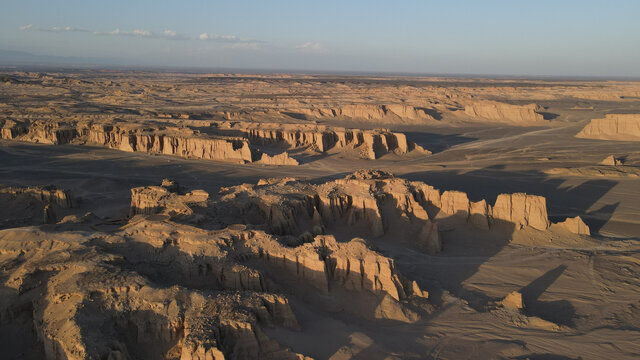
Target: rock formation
{"points": [[575, 225], [48, 194], [374, 203], [223, 142], [522, 210], [611, 161], [369, 112], [150, 200], [325, 264], [370, 144], [513, 301], [623, 127], [503, 112]]}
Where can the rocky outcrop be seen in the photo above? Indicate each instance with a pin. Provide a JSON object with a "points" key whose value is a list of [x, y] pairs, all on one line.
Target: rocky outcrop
{"points": [[522, 210], [623, 127], [226, 140], [370, 144], [118, 299], [575, 225], [329, 266], [369, 112], [513, 301], [48, 194], [374, 203], [182, 142], [502, 112], [189, 145], [612, 161], [279, 159], [149, 200]]}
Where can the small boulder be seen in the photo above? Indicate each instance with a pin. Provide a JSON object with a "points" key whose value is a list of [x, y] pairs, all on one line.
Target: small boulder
{"points": [[513, 301], [575, 225], [611, 161]]}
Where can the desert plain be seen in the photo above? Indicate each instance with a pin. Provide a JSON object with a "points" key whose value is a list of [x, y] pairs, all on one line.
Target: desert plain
{"points": [[168, 215]]}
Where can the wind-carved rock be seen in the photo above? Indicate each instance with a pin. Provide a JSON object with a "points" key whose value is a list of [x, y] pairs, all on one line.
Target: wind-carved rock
{"points": [[225, 140], [149, 200], [376, 203], [623, 127], [612, 161], [370, 144], [147, 138], [187, 145], [326, 265], [48, 194], [575, 225], [522, 210], [369, 112], [503, 112]]}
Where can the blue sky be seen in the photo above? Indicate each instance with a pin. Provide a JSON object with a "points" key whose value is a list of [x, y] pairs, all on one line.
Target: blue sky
{"points": [[573, 38]]}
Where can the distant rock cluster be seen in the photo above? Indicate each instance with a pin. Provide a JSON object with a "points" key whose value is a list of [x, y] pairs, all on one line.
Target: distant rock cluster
{"points": [[225, 141]]}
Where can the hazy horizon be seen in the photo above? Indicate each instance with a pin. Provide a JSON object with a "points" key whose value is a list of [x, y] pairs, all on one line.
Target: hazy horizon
{"points": [[495, 38]]}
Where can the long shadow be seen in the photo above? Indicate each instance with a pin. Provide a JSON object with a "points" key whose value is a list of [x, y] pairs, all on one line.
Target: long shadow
{"points": [[548, 115], [437, 142], [465, 248], [560, 311], [562, 201]]}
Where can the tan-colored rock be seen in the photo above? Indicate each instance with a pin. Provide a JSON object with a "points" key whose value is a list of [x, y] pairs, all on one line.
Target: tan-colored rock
{"points": [[513, 301], [575, 225], [371, 112], [502, 112], [522, 210], [149, 200], [623, 127], [479, 214], [49, 215], [429, 238], [611, 161], [279, 159], [47, 194], [455, 203]]}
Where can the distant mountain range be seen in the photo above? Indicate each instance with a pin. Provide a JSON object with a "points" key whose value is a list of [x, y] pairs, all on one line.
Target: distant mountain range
{"points": [[11, 57]]}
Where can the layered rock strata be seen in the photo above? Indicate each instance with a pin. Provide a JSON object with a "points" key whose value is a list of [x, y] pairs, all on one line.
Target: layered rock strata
{"points": [[225, 141], [623, 127], [503, 112], [377, 204]]}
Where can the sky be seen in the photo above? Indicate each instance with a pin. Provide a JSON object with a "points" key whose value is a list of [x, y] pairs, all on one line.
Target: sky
{"points": [[492, 37]]}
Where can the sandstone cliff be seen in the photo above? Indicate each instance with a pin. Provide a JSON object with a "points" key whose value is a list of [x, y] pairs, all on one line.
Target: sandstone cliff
{"points": [[48, 194], [376, 204], [503, 112], [224, 141], [370, 144], [369, 112], [623, 127], [181, 142]]}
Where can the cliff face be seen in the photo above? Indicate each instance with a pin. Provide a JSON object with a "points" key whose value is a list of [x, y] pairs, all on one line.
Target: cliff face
{"points": [[370, 144], [127, 288], [33, 205], [229, 141], [194, 147], [378, 204], [327, 264], [370, 112], [47, 194], [502, 112], [135, 138], [624, 127], [522, 210]]}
